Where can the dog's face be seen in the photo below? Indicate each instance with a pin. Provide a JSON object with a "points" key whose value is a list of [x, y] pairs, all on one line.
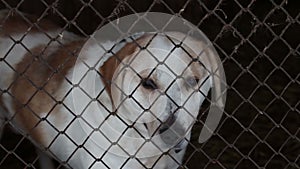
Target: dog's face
{"points": [[158, 88]]}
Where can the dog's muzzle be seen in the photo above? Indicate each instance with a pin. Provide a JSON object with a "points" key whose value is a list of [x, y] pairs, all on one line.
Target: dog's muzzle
{"points": [[172, 133], [167, 124]]}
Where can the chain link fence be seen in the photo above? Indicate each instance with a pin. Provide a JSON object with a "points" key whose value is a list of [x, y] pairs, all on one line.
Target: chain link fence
{"points": [[258, 43]]}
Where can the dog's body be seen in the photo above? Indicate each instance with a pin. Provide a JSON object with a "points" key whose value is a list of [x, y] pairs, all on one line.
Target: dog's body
{"points": [[42, 95]]}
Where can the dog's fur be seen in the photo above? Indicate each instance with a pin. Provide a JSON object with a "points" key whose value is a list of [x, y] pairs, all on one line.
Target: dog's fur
{"points": [[42, 94]]}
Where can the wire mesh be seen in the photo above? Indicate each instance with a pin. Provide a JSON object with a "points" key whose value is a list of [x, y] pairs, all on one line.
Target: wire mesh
{"points": [[258, 42]]}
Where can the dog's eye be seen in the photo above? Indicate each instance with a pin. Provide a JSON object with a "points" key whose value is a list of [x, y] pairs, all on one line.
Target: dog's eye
{"points": [[148, 84], [192, 81]]}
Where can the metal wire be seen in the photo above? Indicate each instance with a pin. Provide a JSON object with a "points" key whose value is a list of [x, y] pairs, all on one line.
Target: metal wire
{"points": [[259, 44]]}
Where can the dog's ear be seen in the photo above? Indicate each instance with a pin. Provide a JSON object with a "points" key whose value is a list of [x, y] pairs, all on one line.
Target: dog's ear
{"points": [[210, 59], [109, 67], [218, 94]]}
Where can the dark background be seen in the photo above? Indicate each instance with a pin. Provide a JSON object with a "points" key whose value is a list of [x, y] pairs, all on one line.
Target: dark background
{"points": [[258, 42]]}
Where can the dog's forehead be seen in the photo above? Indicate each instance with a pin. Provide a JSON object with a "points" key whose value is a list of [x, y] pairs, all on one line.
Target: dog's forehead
{"points": [[162, 53]]}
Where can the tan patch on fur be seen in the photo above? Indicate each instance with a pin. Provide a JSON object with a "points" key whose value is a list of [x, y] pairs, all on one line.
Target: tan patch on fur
{"points": [[2, 104], [17, 24], [108, 69], [37, 80]]}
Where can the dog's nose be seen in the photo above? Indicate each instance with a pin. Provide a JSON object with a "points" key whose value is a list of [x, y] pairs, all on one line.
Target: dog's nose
{"points": [[172, 133], [167, 124], [179, 146]]}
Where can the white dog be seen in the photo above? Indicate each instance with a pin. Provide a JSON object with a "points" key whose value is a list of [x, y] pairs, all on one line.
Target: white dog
{"points": [[130, 107]]}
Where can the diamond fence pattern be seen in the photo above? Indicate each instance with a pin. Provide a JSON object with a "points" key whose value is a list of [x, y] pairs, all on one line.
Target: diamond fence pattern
{"points": [[258, 42]]}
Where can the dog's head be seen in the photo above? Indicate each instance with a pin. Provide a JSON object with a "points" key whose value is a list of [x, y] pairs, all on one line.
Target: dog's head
{"points": [[157, 84]]}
